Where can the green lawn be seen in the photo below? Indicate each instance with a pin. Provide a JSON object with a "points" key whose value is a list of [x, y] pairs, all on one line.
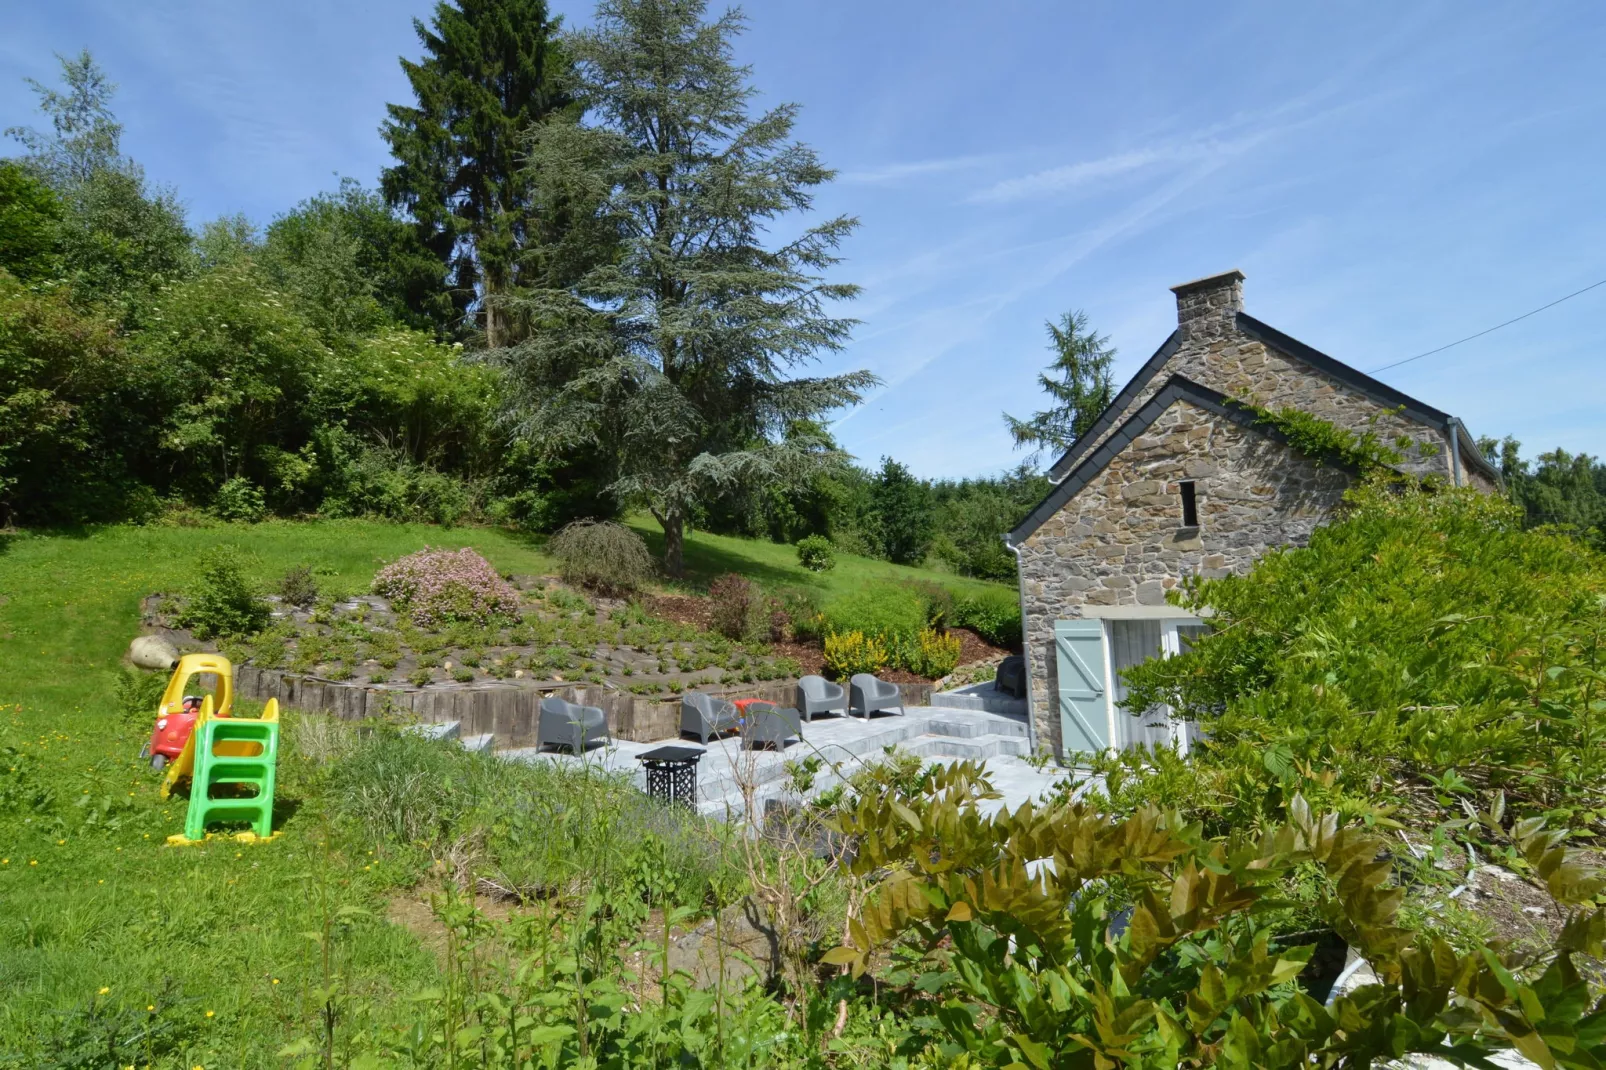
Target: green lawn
{"points": [[90, 897], [775, 564]]}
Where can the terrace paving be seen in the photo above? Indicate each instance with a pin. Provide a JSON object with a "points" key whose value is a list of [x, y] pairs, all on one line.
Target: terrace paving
{"points": [[992, 731]]}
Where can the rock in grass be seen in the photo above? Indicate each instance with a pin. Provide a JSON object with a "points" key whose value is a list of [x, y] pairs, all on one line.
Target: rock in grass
{"points": [[152, 652]]}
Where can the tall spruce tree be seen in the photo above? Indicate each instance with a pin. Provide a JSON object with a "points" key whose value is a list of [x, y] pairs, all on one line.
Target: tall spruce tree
{"points": [[1078, 385], [671, 356], [491, 70]]}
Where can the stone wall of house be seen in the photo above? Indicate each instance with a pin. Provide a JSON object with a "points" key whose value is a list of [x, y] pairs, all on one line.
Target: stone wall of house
{"points": [[1213, 352], [1119, 540]]}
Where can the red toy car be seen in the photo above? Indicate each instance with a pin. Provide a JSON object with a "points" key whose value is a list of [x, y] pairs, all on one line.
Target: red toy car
{"points": [[175, 717]]}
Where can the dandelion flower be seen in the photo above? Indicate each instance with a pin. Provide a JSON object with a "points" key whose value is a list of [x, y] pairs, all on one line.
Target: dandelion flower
{"points": [[103, 990]]}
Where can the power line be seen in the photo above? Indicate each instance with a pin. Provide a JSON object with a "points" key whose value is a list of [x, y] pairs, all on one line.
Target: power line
{"points": [[1496, 327]]}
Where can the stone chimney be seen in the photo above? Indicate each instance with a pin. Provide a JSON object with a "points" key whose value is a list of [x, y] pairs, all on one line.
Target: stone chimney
{"points": [[1206, 307]]}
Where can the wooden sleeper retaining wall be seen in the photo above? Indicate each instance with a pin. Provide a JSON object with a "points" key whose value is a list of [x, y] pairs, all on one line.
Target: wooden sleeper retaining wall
{"points": [[506, 711]]}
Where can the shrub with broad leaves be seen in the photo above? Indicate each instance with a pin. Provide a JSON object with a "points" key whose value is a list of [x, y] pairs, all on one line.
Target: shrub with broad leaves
{"points": [[440, 586]]}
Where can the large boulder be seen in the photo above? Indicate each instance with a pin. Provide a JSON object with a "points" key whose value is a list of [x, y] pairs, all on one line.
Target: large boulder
{"points": [[152, 652]]}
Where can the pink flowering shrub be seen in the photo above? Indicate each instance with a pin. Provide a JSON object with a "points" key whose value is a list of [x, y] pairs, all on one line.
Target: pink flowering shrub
{"points": [[436, 586]]}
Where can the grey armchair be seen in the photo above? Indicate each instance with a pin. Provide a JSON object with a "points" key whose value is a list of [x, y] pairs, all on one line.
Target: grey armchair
{"points": [[816, 694], [870, 695], [768, 724], [705, 715], [565, 724]]}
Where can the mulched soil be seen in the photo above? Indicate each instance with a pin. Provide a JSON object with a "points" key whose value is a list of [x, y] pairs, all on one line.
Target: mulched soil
{"points": [[698, 611]]}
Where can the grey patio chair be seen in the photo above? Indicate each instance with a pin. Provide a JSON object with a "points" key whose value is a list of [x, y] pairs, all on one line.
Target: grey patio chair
{"points": [[1011, 676], [565, 724], [870, 695], [706, 715], [816, 694], [768, 724]]}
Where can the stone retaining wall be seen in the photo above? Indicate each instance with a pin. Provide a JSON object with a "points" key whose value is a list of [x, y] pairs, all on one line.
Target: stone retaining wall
{"points": [[507, 711]]}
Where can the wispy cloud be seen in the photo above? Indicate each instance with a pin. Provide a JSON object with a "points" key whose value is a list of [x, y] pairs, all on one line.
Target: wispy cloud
{"points": [[884, 174], [1162, 156]]}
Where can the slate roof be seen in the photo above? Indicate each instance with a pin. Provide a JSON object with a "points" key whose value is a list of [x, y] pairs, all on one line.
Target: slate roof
{"points": [[1385, 395]]}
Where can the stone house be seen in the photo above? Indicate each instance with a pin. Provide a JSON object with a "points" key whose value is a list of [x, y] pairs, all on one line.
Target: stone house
{"points": [[1173, 481]]}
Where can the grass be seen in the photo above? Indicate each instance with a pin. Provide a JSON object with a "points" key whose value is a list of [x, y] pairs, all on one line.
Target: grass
{"points": [[90, 898], [99, 920], [774, 564]]}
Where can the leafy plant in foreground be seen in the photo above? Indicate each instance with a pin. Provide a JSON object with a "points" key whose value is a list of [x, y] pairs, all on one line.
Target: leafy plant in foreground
{"points": [[1006, 924]]}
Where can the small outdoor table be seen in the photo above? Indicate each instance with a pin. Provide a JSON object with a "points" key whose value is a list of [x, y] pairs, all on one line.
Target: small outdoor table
{"points": [[672, 773]]}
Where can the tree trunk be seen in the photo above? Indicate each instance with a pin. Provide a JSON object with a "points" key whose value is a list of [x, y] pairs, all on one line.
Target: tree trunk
{"points": [[674, 526]]}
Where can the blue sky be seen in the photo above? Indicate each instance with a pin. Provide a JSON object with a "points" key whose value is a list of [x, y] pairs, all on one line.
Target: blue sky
{"points": [[1389, 177]]}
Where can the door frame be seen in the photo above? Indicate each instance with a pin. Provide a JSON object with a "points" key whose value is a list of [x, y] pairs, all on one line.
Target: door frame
{"points": [[1170, 647]]}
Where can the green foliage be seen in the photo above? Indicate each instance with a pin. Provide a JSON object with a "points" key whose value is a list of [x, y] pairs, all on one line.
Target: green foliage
{"points": [[668, 190], [995, 616], [59, 379], [490, 74], [902, 511], [353, 266], [240, 499], [1078, 385], [299, 587], [971, 516], [1560, 489], [30, 219], [1003, 944], [238, 372], [851, 652], [883, 610], [602, 555], [815, 553], [1423, 632], [933, 654], [1325, 442], [544, 826], [224, 601]]}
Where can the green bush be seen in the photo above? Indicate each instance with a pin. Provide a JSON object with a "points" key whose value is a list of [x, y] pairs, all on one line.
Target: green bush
{"points": [[224, 602], [1423, 634], [816, 553], [602, 555], [299, 587], [995, 616], [240, 499]]}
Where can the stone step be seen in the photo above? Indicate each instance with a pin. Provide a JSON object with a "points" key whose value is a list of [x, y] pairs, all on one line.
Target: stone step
{"points": [[983, 697], [966, 723], [975, 748], [480, 744]]}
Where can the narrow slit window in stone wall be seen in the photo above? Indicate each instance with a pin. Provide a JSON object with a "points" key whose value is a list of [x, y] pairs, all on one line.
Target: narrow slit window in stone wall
{"points": [[1190, 506]]}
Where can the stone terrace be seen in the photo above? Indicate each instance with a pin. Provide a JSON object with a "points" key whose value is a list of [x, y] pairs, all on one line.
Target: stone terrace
{"points": [[975, 723]]}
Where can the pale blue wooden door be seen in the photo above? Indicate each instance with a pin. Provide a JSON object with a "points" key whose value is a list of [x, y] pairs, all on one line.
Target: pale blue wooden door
{"points": [[1084, 719]]}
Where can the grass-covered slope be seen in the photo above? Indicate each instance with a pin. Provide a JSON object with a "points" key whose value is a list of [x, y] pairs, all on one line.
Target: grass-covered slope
{"points": [[90, 899]]}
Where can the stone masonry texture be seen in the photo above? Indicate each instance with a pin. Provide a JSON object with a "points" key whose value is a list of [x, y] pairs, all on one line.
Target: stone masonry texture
{"points": [[1120, 542]]}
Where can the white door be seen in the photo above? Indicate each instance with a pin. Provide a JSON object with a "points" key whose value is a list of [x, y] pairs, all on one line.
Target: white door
{"points": [[1132, 642]]}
